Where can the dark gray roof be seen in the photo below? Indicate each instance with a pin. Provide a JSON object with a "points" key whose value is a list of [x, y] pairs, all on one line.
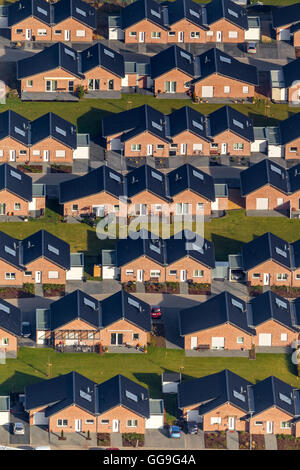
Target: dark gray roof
{"points": [[193, 12], [19, 11], [173, 57], [223, 308], [289, 129], [282, 16], [267, 247], [73, 306], [227, 118], [142, 243], [270, 306], [188, 177], [10, 318], [186, 119], [120, 391], [15, 126], [213, 391], [44, 244], [10, 250], [262, 173], [146, 178], [99, 55], [52, 125], [98, 180], [187, 244], [125, 306], [216, 61], [16, 182], [80, 11], [295, 247], [141, 10], [273, 392], [291, 72], [229, 10]]}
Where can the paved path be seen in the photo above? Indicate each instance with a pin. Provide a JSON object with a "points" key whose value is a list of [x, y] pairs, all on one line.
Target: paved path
{"points": [[232, 440], [116, 440], [270, 442]]}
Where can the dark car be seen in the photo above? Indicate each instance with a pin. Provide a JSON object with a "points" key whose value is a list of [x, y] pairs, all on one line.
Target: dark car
{"points": [[191, 427], [156, 312], [26, 329]]}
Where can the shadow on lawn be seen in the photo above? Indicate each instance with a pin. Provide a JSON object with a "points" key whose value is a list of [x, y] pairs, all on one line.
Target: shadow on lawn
{"points": [[17, 383]]}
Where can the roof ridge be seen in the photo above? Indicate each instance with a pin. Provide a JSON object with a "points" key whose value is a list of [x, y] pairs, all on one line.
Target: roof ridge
{"points": [[78, 298], [73, 380], [227, 305], [227, 384]]}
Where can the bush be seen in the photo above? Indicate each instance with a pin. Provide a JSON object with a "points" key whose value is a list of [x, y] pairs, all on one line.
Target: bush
{"points": [[80, 92]]}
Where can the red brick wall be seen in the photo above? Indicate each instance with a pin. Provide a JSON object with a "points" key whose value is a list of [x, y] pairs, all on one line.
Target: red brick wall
{"points": [[127, 329], [72, 25], [8, 144], [145, 264], [77, 325], [172, 76], [189, 265], [52, 145], [86, 204], [30, 23], [12, 345], [122, 414], [224, 412], [295, 143], [39, 81], [191, 198], [105, 76], [272, 414], [227, 331], [225, 26], [218, 82], [8, 268], [271, 268], [10, 199], [43, 265]]}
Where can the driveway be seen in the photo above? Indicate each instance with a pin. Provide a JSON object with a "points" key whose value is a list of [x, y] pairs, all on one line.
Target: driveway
{"points": [[158, 438], [18, 416]]}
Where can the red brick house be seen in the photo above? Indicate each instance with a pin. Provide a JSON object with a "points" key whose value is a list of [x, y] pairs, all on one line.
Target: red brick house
{"points": [[285, 22], [10, 328]]}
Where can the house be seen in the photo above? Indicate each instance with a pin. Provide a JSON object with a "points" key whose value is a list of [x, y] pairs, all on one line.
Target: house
{"points": [[61, 69], [267, 186], [10, 329], [37, 20], [73, 403], [285, 83], [39, 258], [180, 21], [219, 75], [273, 319], [145, 257], [225, 327], [18, 196], [100, 191], [219, 401], [285, 21]]}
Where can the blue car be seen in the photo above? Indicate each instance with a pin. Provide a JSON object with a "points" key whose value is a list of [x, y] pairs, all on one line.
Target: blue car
{"points": [[175, 432]]}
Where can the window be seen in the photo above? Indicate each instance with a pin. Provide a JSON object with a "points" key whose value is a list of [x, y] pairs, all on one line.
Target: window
{"points": [[214, 146], [116, 208], [135, 336], [282, 277], [104, 421], [298, 276], [186, 84], [215, 420], [198, 273], [256, 275], [80, 33], [75, 207], [158, 207], [10, 276], [29, 83], [200, 207], [19, 31], [283, 337], [5, 341], [245, 89], [132, 423], [57, 32], [136, 147], [111, 84], [285, 425], [173, 272], [160, 147], [154, 273], [17, 206], [36, 152], [170, 87], [258, 423], [60, 153], [240, 340], [226, 89], [1, 153], [171, 34], [93, 84], [53, 274], [22, 152], [90, 335], [209, 33], [129, 272], [132, 33], [182, 208], [232, 34], [62, 423], [89, 421], [155, 35], [173, 146], [293, 149], [42, 32], [238, 146], [195, 34]]}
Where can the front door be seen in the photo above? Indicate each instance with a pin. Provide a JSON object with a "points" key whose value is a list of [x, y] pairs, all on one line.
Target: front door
{"points": [[46, 155], [115, 426], [77, 425], [38, 277], [149, 149], [67, 35], [140, 275], [193, 342], [71, 86], [28, 34], [12, 155], [183, 148], [180, 36], [224, 149], [219, 36], [270, 427], [141, 36], [183, 275], [231, 423], [266, 279]]}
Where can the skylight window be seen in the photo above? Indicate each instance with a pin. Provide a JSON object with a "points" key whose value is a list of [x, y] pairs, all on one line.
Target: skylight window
{"points": [[154, 248], [53, 249], [198, 125], [156, 175], [80, 12], [70, 53], [225, 59], [4, 308], [109, 53], [284, 398], [239, 396], [15, 175], [156, 126], [198, 175], [19, 131], [238, 123], [237, 304], [10, 251], [134, 303], [275, 169], [41, 10], [131, 396], [60, 131], [89, 303], [114, 177], [197, 248], [232, 13], [281, 252], [185, 56], [194, 13], [281, 304], [85, 395], [155, 13]]}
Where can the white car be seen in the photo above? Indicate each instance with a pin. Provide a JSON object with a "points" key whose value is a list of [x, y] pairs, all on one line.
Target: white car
{"points": [[19, 428]]}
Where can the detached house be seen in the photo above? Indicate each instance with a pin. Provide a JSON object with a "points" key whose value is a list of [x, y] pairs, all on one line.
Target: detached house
{"points": [[286, 23], [10, 328], [285, 83], [65, 20]]}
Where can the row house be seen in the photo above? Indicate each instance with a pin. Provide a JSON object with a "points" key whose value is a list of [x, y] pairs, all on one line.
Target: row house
{"points": [[73, 403], [39, 258], [286, 23], [39, 20], [212, 74], [181, 21], [271, 261], [267, 186], [285, 83], [10, 328], [143, 191], [81, 320], [18, 195], [144, 131], [61, 69], [226, 322], [181, 258], [48, 138], [227, 402]]}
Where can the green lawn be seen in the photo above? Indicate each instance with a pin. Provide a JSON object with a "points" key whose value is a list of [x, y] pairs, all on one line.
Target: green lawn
{"points": [[32, 366]]}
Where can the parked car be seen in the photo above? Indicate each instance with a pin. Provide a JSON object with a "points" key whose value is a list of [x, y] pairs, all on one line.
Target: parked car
{"points": [[175, 432], [19, 428], [251, 47], [191, 427], [156, 312], [26, 329]]}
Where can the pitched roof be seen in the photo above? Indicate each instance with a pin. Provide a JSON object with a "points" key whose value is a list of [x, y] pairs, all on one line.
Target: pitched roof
{"points": [[180, 9], [44, 244], [229, 10], [213, 391], [146, 178], [39, 9], [291, 72], [16, 182], [270, 306], [96, 181], [125, 392], [124, 306], [262, 173], [223, 308], [10, 250], [289, 129], [73, 306], [57, 55], [272, 392], [187, 243], [141, 10], [10, 318], [216, 61], [80, 11], [99, 55], [227, 118], [173, 57], [52, 125], [188, 177], [264, 248], [283, 16], [186, 119], [15, 126], [138, 244]]}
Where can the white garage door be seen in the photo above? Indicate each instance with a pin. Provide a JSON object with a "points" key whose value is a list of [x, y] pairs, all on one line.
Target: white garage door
{"points": [[109, 272], [265, 339], [284, 35], [39, 419], [4, 417], [207, 91], [262, 203], [155, 422], [217, 342], [115, 144], [193, 415], [75, 273]]}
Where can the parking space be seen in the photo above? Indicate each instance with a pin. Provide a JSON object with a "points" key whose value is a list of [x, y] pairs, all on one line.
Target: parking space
{"points": [[20, 439], [158, 438]]}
